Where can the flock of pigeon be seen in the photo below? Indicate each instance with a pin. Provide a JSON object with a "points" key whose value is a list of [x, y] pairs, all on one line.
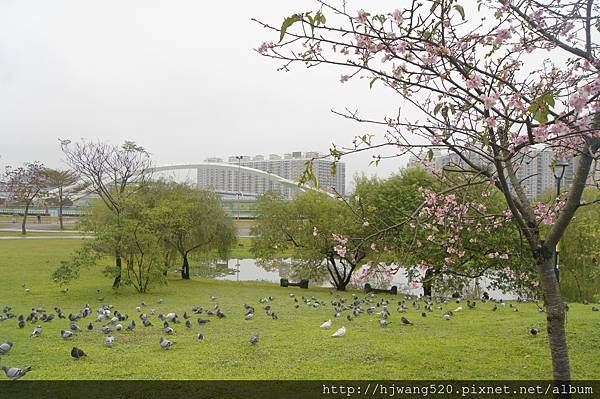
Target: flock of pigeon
{"points": [[110, 320]]}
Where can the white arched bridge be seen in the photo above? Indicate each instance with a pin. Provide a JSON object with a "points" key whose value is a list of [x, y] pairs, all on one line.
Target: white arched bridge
{"points": [[237, 169]]}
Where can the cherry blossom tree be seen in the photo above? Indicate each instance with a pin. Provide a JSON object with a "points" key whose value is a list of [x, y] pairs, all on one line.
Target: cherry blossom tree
{"points": [[490, 82], [24, 184]]}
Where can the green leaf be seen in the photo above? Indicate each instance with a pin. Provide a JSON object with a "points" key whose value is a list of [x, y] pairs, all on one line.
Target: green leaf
{"points": [[289, 21], [372, 81], [445, 112], [540, 107], [460, 10]]}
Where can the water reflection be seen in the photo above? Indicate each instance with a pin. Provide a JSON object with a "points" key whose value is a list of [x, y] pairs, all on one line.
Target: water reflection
{"points": [[252, 270]]}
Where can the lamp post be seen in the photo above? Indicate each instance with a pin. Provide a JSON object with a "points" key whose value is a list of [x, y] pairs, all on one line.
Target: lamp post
{"points": [[558, 169]]}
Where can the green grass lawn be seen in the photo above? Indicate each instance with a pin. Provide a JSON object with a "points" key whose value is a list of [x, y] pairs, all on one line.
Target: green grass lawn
{"points": [[475, 344]]}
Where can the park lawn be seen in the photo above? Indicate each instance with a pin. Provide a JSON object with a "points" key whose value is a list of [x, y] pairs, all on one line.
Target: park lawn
{"points": [[475, 344]]}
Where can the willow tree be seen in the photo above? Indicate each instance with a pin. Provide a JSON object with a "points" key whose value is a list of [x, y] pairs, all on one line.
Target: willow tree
{"points": [[315, 229], [488, 83], [190, 221]]}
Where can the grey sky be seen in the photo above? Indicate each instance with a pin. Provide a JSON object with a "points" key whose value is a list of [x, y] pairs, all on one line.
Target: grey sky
{"points": [[178, 77]]}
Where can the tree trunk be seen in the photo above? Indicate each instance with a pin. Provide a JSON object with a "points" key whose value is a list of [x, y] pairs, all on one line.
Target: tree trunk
{"points": [[555, 317], [427, 283], [185, 269], [60, 217], [23, 230], [118, 263], [341, 286]]}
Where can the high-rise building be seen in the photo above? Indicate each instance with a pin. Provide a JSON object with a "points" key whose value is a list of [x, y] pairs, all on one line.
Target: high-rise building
{"points": [[534, 169], [290, 166]]}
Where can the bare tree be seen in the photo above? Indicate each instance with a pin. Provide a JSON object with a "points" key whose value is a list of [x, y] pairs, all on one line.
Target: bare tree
{"points": [[24, 184], [112, 172]]}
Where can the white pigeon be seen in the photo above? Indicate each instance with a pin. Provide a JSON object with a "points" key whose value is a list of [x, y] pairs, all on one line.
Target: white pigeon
{"points": [[339, 333], [37, 332], [327, 325], [109, 341]]}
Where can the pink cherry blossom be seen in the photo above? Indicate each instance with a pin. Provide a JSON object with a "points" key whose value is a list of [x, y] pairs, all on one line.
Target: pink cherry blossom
{"points": [[489, 101], [362, 16], [340, 250]]}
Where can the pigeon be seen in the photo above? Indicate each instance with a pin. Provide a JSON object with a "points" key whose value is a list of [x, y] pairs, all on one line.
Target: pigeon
{"points": [[188, 324], [327, 325], [202, 321], [90, 326], [75, 327], [384, 322], [119, 327], [533, 331], [14, 373], [200, 337], [106, 330], [109, 341], [405, 321], [447, 316], [166, 344], [424, 314], [595, 309], [21, 323], [131, 325], [146, 323], [169, 330], [37, 332], [274, 316], [339, 333], [66, 334], [5, 347], [254, 340], [249, 316], [77, 353], [220, 314]]}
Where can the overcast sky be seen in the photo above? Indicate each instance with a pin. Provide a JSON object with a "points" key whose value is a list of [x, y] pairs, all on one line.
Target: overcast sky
{"points": [[180, 78]]}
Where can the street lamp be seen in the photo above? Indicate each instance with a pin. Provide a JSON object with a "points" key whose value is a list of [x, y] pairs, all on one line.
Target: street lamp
{"points": [[558, 169]]}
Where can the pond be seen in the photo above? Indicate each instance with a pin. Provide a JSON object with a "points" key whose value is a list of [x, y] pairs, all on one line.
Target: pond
{"points": [[251, 270]]}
